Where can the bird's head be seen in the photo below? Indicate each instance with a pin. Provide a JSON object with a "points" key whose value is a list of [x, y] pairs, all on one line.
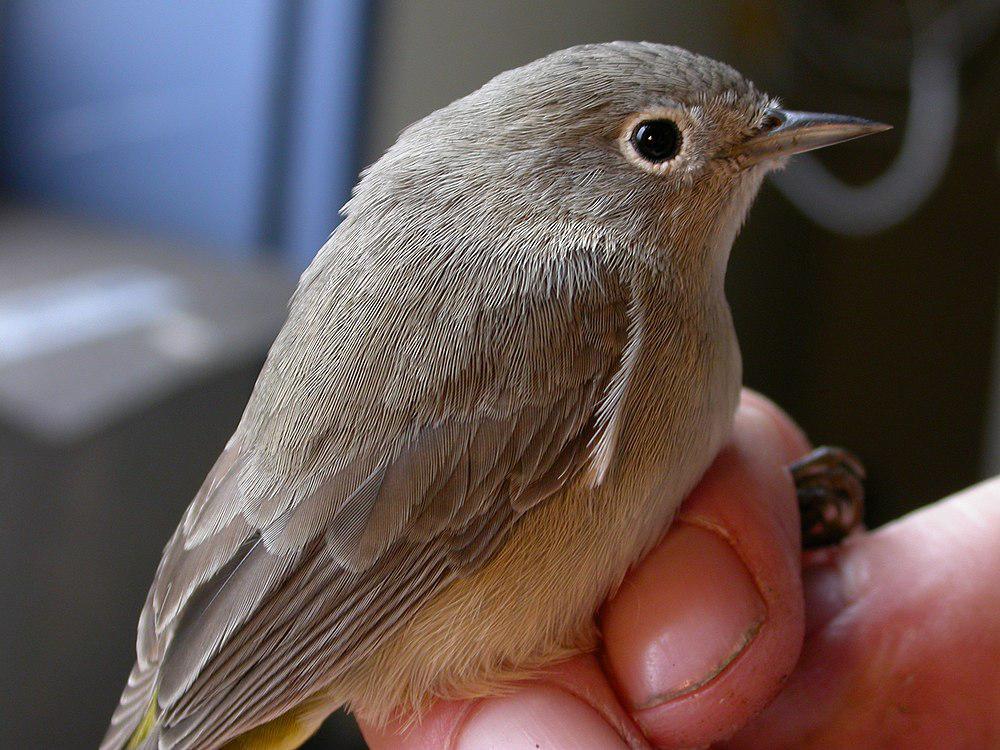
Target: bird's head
{"points": [[639, 144]]}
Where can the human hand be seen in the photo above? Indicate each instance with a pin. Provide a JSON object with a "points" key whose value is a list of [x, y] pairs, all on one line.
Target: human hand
{"points": [[902, 630]]}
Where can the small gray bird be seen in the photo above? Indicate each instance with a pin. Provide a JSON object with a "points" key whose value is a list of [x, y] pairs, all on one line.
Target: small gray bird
{"points": [[498, 379]]}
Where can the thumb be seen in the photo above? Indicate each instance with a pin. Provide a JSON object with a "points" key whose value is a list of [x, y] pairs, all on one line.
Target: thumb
{"points": [[705, 630]]}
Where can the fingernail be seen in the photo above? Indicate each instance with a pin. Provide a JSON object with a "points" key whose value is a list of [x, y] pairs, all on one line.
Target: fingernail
{"points": [[703, 616], [538, 717]]}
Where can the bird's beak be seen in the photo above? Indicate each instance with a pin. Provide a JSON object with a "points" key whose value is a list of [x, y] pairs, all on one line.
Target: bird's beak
{"points": [[788, 132]]}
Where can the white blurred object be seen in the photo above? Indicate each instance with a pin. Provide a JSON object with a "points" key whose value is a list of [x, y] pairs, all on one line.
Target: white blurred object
{"points": [[929, 133], [97, 325], [95, 305]]}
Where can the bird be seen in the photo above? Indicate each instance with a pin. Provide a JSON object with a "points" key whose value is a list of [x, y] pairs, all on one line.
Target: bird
{"points": [[498, 378]]}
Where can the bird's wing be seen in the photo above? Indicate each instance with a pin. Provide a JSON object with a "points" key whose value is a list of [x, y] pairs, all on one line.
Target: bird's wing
{"points": [[420, 451]]}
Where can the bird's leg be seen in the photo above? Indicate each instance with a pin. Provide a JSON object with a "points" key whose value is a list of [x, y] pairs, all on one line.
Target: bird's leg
{"points": [[829, 482]]}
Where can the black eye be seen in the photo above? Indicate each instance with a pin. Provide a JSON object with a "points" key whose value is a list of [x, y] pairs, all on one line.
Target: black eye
{"points": [[657, 140]]}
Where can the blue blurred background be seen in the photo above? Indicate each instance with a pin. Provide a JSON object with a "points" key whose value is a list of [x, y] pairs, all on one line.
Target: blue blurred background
{"points": [[233, 122], [167, 169]]}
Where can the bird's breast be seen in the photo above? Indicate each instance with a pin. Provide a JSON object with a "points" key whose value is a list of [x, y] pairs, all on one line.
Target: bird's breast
{"points": [[534, 601], [675, 419]]}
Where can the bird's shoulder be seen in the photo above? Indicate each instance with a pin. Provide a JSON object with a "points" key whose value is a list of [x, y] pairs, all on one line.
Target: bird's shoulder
{"points": [[382, 343]]}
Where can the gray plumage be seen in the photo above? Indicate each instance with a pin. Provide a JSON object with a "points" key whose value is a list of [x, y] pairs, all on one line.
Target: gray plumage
{"points": [[511, 312]]}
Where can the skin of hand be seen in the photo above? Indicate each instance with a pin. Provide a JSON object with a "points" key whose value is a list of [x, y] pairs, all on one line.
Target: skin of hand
{"points": [[901, 630]]}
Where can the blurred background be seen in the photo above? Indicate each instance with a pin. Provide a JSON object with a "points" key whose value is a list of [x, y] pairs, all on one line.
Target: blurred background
{"points": [[167, 169]]}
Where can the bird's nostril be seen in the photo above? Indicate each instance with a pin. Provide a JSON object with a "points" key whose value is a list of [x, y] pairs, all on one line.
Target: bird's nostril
{"points": [[771, 121]]}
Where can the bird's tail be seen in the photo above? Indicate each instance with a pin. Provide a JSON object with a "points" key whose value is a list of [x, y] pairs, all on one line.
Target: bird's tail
{"points": [[133, 723]]}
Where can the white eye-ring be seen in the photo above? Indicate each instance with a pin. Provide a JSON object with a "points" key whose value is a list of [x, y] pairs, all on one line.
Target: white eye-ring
{"points": [[654, 140]]}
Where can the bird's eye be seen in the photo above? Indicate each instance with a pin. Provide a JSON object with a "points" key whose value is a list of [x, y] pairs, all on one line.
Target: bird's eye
{"points": [[657, 140]]}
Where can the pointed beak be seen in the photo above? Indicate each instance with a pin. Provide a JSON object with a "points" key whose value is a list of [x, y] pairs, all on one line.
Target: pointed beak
{"points": [[788, 132]]}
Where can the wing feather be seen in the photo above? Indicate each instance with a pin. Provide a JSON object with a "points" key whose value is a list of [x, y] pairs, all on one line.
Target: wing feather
{"points": [[256, 602]]}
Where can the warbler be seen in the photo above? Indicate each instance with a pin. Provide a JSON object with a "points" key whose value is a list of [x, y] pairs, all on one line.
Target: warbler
{"points": [[498, 379]]}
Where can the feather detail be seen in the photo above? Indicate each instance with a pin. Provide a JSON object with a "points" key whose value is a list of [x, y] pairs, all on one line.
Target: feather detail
{"points": [[257, 602], [605, 438]]}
